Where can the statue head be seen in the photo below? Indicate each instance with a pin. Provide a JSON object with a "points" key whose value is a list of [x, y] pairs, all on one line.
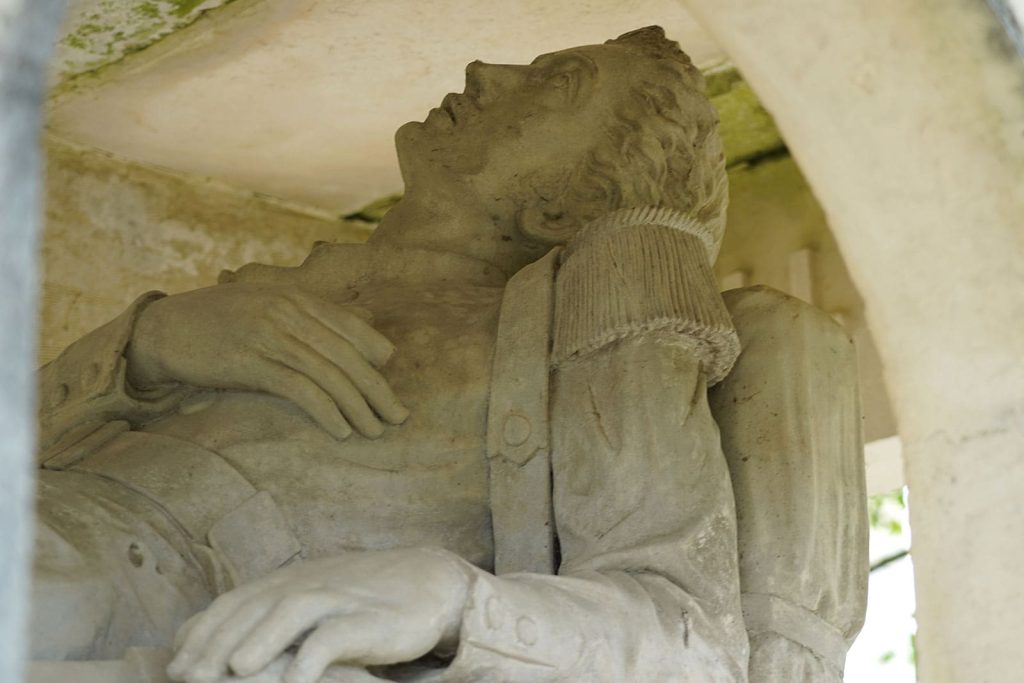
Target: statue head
{"points": [[575, 135]]}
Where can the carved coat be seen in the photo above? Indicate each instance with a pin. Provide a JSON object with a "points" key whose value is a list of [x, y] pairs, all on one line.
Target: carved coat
{"points": [[629, 491]]}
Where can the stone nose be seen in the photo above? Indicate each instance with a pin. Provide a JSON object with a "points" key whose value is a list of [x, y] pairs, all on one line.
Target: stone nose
{"points": [[487, 81]]}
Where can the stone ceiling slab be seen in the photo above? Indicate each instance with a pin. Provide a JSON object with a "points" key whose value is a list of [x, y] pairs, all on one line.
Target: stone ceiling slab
{"points": [[98, 32], [300, 98]]}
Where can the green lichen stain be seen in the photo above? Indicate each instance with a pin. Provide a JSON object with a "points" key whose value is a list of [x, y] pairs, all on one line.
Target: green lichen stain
{"points": [[182, 8], [747, 129], [720, 82], [92, 29], [113, 29], [375, 210], [75, 41], [148, 10]]}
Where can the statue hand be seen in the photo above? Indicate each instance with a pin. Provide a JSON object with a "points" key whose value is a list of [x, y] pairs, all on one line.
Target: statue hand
{"points": [[271, 338], [361, 609], [275, 671]]}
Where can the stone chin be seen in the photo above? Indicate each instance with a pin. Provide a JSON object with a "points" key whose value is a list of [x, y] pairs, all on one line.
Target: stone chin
{"points": [[413, 132], [409, 134], [408, 138], [430, 149], [415, 141]]}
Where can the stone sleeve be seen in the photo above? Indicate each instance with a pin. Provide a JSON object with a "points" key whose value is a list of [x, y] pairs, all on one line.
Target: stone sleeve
{"points": [[790, 419], [85, 388], [648, 588], [620, 279]]}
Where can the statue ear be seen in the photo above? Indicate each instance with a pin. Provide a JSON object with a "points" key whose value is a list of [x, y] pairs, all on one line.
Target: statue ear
{"points": [[545, 222], [574, 77]]}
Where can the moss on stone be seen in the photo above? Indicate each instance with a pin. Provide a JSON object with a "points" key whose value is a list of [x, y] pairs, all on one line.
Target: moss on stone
{"points": [[75, 41], [113, 29], [92, 29], [375, 210], [148, 10], [183, 8], [720, 81], [747, 129]]}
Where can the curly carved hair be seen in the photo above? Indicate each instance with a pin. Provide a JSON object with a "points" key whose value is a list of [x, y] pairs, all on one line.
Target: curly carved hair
{"points": [[661, 149]]}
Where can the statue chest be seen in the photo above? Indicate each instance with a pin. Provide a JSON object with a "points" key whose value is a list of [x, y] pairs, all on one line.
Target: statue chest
{"points": [[441, 368], [423, 482]]}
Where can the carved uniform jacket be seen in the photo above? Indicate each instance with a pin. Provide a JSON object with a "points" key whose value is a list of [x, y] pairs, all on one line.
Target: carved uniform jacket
{"points": [[629, 490]]}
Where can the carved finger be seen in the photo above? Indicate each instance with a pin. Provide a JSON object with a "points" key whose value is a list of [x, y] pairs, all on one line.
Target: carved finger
{"points": [[343, 639], [373, 345], [367, 380], [335, 381], [184, 630], [213, 665], [349, 674], [271, 674], [282, 380], [318, 652], [193, 637], [281, 627], [274, 673], [363, 639]]}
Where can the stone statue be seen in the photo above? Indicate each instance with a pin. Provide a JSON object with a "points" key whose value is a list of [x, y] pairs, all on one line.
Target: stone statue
{"points": [[480, 446]]}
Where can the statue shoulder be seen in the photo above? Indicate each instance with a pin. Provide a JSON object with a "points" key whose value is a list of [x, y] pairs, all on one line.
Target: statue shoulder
{"points": [[760, 309]]}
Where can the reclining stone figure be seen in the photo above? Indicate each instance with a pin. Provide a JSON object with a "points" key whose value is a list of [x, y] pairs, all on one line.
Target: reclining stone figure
{"points": [[478, 447]]}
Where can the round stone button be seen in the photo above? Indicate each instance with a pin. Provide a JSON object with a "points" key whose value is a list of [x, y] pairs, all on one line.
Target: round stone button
{"points": [[526, 631], [517, 430]]}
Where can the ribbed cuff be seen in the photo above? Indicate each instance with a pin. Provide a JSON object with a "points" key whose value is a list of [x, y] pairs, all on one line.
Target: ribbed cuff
{"points": [[633, 274]]}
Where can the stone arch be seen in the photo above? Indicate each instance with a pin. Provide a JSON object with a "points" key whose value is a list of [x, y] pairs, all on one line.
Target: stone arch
{"points": [[907, 117]]}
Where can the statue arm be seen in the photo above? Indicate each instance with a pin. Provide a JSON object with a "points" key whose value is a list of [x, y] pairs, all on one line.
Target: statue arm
{"points": [[648, 587], [272, 338], [84, 390]]}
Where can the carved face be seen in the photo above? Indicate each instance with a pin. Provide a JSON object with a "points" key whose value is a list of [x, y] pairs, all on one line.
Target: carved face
{"points": [[514, 123]]}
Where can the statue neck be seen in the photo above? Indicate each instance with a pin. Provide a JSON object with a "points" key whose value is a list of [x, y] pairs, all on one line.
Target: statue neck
{"points": [[453, 225]]}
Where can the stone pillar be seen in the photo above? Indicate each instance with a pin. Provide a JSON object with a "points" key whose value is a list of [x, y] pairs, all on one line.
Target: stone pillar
{"points": [[27, 29], [908, 121]]}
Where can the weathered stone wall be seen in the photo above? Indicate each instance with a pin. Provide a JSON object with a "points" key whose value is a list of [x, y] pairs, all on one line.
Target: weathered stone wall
{"points": [[116, 229]]}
